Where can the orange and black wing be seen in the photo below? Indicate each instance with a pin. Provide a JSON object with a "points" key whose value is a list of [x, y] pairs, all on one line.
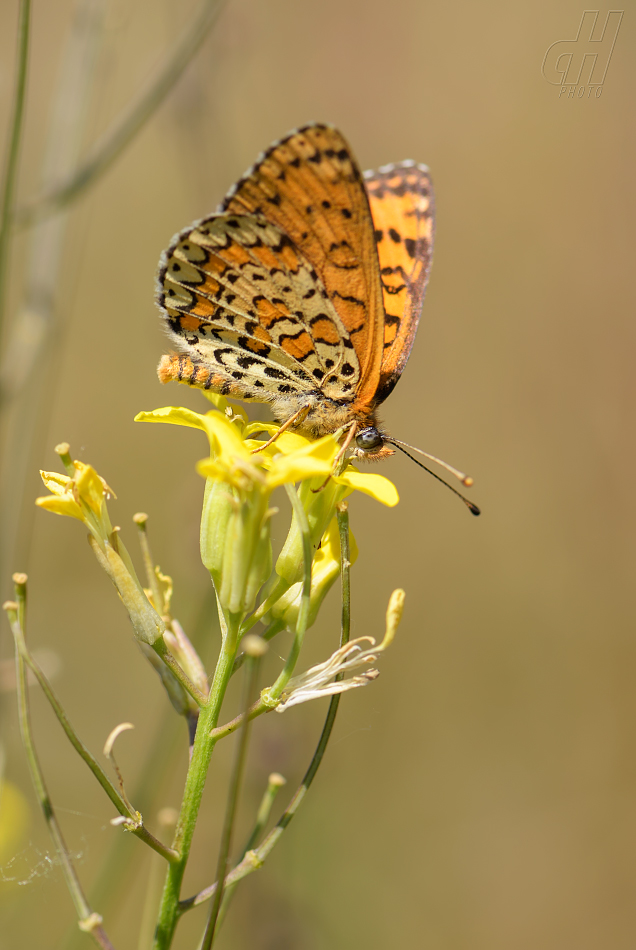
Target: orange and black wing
{"points": [[402, 205], [310, 187]]}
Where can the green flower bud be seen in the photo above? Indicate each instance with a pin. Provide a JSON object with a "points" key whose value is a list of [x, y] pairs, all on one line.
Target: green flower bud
{"points": [[320, 507], [235, 543], [324, 571], [218, 505]]}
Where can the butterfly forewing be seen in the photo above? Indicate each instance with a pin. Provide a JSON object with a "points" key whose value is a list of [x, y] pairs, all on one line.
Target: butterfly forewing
{"points": [[402, 205], [309, 185]]}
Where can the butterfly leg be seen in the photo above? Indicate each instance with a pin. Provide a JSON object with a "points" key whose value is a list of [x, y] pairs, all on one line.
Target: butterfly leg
{"points": [[293, 419], [336, 462]]}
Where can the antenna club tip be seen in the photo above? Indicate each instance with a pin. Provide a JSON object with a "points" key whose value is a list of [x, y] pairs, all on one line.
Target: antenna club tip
{"points": [[468, 481], [474, 510]]}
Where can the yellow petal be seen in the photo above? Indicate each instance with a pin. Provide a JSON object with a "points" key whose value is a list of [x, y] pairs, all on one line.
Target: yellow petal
{"points": [[58, 484], [61, 505], [216, 399], [223, 435], [240, 472], [377, 486], [287, 442], [226, 435], [314, 459], [289, 469], [89, 485], [223, 405], [174, 415]]}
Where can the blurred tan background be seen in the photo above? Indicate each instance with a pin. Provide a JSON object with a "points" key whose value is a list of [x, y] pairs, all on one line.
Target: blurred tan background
{"points": [[481, 795]]}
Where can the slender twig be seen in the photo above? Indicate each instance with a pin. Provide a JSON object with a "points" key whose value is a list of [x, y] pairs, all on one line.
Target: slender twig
{"points": [[254, 647], [124, 129], [254, 859], [256, 709], [13, 150], [89, 921]]}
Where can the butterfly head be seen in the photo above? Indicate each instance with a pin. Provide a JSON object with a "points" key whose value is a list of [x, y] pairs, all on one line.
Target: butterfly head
{"points": [[370, 445]]}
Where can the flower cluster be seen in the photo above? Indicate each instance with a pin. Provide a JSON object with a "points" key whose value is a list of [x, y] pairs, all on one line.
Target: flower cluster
{"points": [[241, 473]]}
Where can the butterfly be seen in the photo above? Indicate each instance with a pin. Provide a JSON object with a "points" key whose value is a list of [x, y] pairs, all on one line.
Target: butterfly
{"points": [[305, 289]]}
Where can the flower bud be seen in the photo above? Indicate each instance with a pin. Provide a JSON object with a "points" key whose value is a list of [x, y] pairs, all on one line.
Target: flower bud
{"points": [[218, 505], [324, 571], [147, 624], [320, 507], [235, 543]]}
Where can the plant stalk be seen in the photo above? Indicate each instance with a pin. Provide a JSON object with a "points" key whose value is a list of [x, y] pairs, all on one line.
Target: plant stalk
{"points": [[202, 750], [253, 860]]}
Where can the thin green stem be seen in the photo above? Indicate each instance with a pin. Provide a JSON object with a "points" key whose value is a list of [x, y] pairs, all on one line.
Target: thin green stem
{"points": [[77, 744], [89, 921], [342, 517], [162, 650], [13, 150], [232, 801], [257, 709], [195, 781], [274, 784], [254, 859], [111, 145]]}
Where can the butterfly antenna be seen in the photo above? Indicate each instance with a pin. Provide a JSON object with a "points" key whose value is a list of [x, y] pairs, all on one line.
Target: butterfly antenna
{"points": [[462, 476], [464, 479]]}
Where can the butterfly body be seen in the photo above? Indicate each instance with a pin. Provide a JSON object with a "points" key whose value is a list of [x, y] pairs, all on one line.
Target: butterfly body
{"points": [[305, 289]]}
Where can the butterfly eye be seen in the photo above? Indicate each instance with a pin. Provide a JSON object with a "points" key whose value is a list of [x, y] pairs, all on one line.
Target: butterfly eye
{"points": [[369, 438]]}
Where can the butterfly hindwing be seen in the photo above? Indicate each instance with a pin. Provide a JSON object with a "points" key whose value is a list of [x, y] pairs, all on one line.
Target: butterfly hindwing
{"points": [[402, 206], [309, 186], [241, 301]]}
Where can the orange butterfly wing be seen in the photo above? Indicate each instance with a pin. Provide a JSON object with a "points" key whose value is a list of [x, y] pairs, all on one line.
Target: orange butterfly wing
{"points": [[402, 205], [309, 185]]}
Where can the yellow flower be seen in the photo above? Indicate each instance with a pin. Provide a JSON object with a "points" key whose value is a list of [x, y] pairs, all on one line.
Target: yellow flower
{"points": [[292, 458], [82, 496], [241, 474], [377, 486]]}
